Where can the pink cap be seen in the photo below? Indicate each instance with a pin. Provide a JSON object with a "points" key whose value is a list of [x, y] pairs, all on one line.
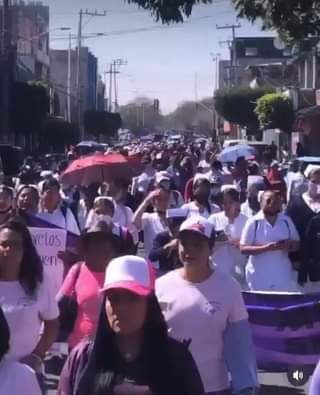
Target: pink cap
{"points": [[132, 273]]}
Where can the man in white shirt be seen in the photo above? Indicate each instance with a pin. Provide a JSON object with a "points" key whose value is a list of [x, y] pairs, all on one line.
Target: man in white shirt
{"points": [[267, 238]]}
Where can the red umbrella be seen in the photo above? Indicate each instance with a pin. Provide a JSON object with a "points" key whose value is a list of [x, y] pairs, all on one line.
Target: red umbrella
{"points": [[101, 168]]}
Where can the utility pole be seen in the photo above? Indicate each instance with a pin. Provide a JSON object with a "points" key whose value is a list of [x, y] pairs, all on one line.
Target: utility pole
{"points": [[69, 81], [6, 72], [110, 87], [78, 85], [234, 48], [113, 86], [215, 117]]}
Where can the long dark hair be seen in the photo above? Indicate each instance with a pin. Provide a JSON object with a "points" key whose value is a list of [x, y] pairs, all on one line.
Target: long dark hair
{"points": [[4, 335], [100, 372], [206, 204], [31, 269]]}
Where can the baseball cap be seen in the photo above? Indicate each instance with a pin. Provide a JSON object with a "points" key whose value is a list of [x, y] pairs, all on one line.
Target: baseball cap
{"points": [[311, 169], [198, 225], [177, 213], [162, 176], [131, 273]]}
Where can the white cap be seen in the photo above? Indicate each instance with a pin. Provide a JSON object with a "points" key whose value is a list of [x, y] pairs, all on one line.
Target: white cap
{"points": [[199, 225], [200, 176], [229, 186], [177, 213], [101, 198], [255, 180], [46, 173], [162, 176], [311, 169], [131, 273]]}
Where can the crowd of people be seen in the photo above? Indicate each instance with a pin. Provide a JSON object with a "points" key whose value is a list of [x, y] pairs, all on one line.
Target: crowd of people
{"points": [[148, 298]]}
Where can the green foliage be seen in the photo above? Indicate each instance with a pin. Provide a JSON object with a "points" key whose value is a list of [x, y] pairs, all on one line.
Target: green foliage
{"points": [[295, 19], [191, 115], [29, 107], [102, 123], [275, 111], [140, 115], [169, 10], [57, 134], [237, 105]]}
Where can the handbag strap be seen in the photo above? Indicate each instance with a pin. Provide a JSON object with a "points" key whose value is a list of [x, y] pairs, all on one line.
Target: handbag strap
{"points": [[75, 279]]}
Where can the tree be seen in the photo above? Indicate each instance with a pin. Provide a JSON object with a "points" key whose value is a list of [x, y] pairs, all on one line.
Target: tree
{"points": [[169, 11], [102, 123], [57, 134], [237, 106], [29, 109], [275, 111], [140, 115], [294, 19], [190, 115]]}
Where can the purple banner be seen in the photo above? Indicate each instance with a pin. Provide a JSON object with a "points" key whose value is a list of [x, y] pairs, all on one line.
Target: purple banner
{"points": [[286, 329]]}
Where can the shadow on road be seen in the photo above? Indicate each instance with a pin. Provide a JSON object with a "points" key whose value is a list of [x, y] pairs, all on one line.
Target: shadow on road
{"points": [[276, 390]]}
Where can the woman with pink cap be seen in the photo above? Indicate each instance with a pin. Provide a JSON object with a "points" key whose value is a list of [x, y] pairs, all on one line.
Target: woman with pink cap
{"points": [[132, 353]]}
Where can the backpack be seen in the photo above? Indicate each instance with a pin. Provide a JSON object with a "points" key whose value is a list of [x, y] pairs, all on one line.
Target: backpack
{"points": [[64, 209]]}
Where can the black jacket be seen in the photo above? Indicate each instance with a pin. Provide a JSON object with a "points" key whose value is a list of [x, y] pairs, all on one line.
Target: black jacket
{"points": [[157, 253], [180, 374], [302, 215]]}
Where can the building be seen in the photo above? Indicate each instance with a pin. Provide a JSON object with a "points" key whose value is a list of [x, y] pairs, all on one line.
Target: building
{"points": [[29, 35], [89, 81], [262, 59]]}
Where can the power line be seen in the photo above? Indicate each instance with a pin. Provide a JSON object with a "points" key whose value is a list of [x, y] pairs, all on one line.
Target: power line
{"points": [[142, 29]]}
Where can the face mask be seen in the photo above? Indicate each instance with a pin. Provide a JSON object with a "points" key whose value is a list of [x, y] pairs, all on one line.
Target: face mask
{"points": [[313, 189], [202, 196], [118, 196]]}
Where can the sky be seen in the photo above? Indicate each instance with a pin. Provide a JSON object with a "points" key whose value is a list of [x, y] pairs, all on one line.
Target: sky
{"points": [[171, 63]]}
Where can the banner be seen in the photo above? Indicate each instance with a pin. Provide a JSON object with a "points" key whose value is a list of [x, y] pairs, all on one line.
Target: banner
{"points": [[35, 222], [286, 332]]}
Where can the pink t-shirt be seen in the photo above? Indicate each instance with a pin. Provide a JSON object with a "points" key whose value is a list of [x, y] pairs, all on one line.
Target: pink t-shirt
{"points": [[89, 300], [199, 314]]}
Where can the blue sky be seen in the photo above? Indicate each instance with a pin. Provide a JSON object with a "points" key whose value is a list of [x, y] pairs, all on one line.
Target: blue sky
{"points": [[163, 62]]}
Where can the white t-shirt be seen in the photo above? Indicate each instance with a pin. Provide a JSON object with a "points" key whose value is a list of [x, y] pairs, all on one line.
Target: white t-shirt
{"points": [[246, 210], [123, 215], [227, 257], [193, 210], [200, 313], [23, 314], [67, 222], [17, 379], [151, 226], [272, 270]]}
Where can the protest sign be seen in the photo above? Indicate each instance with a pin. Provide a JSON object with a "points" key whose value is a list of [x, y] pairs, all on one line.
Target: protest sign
{"points": [[48, 242]]}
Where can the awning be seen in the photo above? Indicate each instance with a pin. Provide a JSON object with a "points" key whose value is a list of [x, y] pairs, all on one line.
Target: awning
{"points": [[309, 112]]}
